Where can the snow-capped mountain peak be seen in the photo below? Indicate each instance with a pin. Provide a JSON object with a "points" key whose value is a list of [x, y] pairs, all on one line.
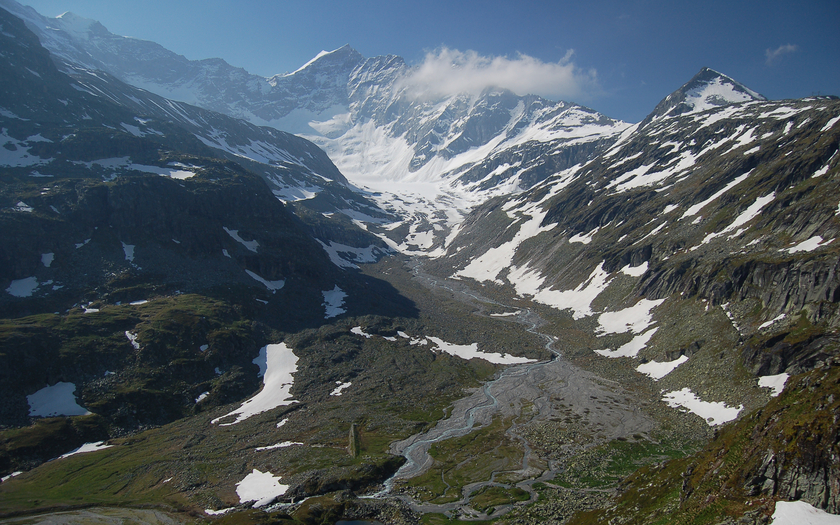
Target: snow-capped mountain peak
{"points": [[341, 56], [708, 89]]}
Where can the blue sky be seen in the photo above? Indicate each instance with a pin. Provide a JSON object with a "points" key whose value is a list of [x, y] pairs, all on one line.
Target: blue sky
{"points": [[619, 58]]}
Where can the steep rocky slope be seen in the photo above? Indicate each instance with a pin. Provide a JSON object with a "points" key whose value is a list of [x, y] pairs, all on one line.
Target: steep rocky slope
{"points": [[138, 266], [700, 251]]}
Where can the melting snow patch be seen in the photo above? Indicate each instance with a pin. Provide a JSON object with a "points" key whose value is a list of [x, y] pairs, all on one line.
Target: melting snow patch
{"points": [[830, 124], [658, 370], [22, 206], [280, 364], [132, 338], [771, 321], [129, 252], [56, 400], [776, 382], [635, 271], [358, 331], [201, 397], [278, 445], [631, 348], [87, 447], [802, 513], [47, 259], [635, 319], [471, 351], [579, 300], [211, 512], [283, 422], [271, 285], [260, 487], [10, 476], [506, 314], [584, 238], [808, 245], [341, 386], [251, 245], [340, 253], [333, 302], [23, 287], [714, 413]]}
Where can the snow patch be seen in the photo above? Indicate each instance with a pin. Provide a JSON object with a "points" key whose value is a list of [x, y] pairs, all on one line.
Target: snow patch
{"points": [[280, 364], [802, 513], [333, 302], [635, 319], [278, 445], [260, 487], [631, 348], [250, 245], [471, 351], [23, 287], [714, 413], [657, 370], [87, 447], [271, 285], [55, 400], [340, 388], [808, 245], [776, 382]]}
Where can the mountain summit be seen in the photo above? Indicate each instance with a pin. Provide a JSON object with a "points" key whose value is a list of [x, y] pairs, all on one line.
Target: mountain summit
{"points": [[706, 90]]}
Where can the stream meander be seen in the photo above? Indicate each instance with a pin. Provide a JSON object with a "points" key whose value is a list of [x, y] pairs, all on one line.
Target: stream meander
{"points": [[600, 406]]}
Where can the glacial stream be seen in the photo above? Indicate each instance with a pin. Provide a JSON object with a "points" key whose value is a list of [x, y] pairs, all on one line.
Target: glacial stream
{"points": [[601, 406]]}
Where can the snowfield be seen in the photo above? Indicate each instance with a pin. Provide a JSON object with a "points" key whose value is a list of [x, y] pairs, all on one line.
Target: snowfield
{"points": [[55, 400], [277, 365]]}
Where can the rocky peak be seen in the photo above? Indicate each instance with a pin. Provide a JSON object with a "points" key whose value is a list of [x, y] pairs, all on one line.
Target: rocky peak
{"points": [[706, 90]]}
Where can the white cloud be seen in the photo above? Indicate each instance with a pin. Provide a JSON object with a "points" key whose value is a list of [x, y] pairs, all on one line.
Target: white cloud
{"points": [[773, 55], [450, 71]]}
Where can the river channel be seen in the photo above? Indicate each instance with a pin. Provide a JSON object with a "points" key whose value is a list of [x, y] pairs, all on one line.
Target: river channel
{"points": [[527, 394]]}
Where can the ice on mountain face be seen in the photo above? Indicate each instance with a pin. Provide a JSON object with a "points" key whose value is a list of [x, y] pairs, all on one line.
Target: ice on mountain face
{"points": [[280, 364], [55, 400]]}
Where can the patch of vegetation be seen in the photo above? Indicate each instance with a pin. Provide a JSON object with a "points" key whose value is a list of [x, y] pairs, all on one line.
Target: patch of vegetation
{"points": [[456, 463], [486, 499]]}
